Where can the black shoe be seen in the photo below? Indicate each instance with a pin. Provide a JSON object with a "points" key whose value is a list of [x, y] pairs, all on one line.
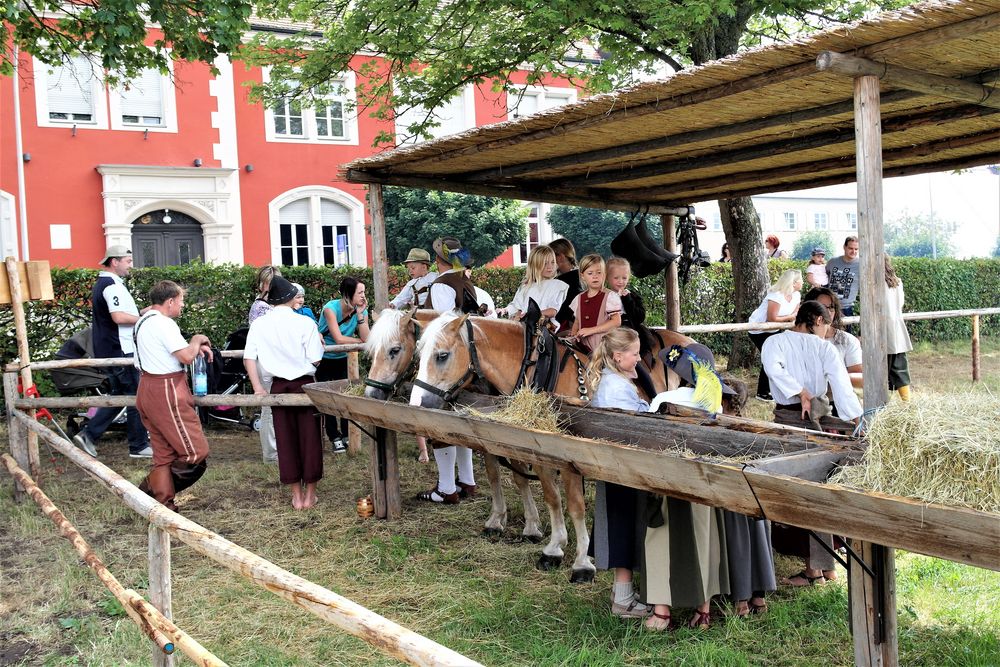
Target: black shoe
{"points": [[765, 397]]}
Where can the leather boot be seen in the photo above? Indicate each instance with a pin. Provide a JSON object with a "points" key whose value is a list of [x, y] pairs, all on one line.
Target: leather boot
{"points": [[186, 474], [160, 485]]}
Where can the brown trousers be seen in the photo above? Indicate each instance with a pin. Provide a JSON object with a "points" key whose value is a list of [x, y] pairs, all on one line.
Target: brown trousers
{"points": [[167, 410], [296, 430]]}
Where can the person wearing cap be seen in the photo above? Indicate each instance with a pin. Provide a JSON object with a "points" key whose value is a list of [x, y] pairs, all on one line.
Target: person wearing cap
{"points": [[114, 313], [415, 292], [816, 271], [299, 304], [288, 348], [180, 450]]}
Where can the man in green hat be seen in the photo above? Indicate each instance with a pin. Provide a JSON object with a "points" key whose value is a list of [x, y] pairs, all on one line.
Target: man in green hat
{"points": [[418, 265]]}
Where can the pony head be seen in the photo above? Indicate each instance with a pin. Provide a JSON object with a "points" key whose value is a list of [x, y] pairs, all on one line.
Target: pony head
{"points": [[444, 359], [391, 346]]}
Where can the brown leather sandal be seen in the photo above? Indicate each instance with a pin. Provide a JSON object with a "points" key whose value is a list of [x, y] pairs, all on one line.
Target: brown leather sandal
{"points": [[465, 490], [760, 608], [656, 626], [702, 620], [434, 495]]}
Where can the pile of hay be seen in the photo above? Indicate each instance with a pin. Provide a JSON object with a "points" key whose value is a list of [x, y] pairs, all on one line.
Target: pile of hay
{"points": [[526, 409], [937, 448], [354, 389]]}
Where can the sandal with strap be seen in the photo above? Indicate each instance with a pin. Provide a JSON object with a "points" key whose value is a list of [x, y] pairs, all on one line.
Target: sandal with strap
{"points": [[652, 623], [760, 608], [465, 490], [804, 576], [435, 496], [702, 620]]}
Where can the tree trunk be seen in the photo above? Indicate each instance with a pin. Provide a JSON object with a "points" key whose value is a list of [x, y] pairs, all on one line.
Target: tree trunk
{"points": [[741, 223]]}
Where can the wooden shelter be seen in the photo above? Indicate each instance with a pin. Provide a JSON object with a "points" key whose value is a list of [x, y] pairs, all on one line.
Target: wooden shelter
{"points": [[908, 92]]}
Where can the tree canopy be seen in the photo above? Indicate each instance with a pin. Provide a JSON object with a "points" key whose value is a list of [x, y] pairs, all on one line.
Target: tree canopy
{"points": [[812, 239], [113, 33], [919, 236], [485, 225]]}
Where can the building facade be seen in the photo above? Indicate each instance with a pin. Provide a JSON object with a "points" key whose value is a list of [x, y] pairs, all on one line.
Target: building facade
{"points": [[185, 166]]}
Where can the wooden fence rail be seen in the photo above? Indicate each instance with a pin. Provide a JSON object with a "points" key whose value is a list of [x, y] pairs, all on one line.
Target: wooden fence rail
{"points": [[385, 635]]}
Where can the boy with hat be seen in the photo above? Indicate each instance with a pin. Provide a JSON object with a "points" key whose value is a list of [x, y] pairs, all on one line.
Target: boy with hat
{"points": [[288, 348], [114, 314], [415, 292]]}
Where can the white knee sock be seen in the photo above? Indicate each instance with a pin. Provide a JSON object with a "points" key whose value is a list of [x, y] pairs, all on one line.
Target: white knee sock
{"points": [[465, 472], [445, 459], [623, 592]]}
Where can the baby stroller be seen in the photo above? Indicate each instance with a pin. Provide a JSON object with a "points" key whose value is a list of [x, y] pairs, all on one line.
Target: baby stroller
{"points": [[74, 381], [232, 380]]}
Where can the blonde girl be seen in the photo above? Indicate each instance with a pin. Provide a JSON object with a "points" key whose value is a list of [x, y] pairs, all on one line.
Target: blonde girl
{"points": [[616, 529], [596, 310], [897, 338], [816, 271], [780, 305], [260, 306], [539, 284]]}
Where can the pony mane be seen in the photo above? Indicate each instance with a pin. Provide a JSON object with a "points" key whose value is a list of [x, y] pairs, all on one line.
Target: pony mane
{"points": [[385, 331]]}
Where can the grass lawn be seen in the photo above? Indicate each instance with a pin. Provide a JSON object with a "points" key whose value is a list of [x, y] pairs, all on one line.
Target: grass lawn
{"points": [[430, 572]]}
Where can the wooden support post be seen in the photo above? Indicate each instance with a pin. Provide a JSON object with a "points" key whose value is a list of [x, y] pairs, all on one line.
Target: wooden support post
{"points": [[159, 584], [353, 375], [380, 260], [24, 358], [671, 288], [385, 475], [17, 435], [874, 643], [975, 348]]}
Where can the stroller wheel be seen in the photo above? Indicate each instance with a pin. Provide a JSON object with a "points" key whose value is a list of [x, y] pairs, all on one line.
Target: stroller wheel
{"points": [[72, 427], [255, 424]]}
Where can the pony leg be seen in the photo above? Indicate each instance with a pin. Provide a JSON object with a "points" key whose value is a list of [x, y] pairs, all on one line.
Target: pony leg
{"points": [[583, 567], [532, 524], [552, 554], [498, 516]]}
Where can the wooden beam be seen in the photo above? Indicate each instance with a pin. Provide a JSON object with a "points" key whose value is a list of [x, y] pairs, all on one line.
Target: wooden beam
{"points": [[23, 356], [555, 196], [774, 174], [607, 116], [17, 436], [160, 589], [380, 260], [381, 633], [935, 36], [814, 465], [903, 77]]}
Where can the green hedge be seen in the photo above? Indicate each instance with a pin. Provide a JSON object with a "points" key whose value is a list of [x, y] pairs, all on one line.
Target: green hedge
{"points": [[219, 297]]}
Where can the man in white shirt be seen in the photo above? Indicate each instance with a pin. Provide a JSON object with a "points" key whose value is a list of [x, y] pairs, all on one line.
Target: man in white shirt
{"points": [[415, 292], [164, 399], [114, 313]]}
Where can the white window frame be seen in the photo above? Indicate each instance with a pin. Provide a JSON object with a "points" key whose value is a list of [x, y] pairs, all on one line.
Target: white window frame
{"points": [[468, 121], [542, 93], [168, 97], [357, 239], [852, 221], [42, 76], [790, 220], [8, 226], [539, 218], [310, 133], [821, 221]]}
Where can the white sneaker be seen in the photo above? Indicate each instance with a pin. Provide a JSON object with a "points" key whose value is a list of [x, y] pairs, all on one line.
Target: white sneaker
{"points": [[84, 442], [145, 453]]}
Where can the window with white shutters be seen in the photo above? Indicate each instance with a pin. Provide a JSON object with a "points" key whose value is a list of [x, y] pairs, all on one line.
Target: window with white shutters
{"points": [[70, 90], [142, 101], [526, 100], [316, 229], [293, 231], [454, 116]]}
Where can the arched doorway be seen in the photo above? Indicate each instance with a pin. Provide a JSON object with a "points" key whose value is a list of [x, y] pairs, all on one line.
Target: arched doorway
{"points": [[166, 238]]}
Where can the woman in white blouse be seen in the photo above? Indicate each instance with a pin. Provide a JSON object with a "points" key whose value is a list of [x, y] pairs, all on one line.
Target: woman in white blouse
{"points": [[780, 305], [539, 284]]}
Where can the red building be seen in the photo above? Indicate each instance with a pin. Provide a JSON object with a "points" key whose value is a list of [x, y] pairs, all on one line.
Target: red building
{"points": [[189, 167]]}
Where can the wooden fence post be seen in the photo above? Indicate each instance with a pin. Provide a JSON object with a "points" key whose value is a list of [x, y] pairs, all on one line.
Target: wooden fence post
{"points": [[384, 467], [975, 348], [159, 584], [16, 433], [671, 288], [24, 358], [353, 375], [380, 261]]}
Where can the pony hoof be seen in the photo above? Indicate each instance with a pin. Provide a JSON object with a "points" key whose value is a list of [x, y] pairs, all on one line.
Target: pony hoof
{"points": [[534, 539], [546, 562], [582, 577], [492, 533]]}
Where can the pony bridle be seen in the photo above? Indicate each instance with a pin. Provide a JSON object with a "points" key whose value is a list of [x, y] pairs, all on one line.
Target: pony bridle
{"points": [[407, 373], [471, 373]]}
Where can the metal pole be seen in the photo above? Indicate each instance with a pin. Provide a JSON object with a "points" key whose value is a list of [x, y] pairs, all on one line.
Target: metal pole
{"points": [[22, 204]]}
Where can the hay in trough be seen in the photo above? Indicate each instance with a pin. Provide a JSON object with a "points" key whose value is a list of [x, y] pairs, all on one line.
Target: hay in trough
{"points": [[354, 389], [937, 448], [525, 409]]}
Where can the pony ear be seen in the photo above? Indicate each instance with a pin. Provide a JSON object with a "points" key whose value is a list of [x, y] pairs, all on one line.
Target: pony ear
{"points": [[407, 316], [457, 324]]}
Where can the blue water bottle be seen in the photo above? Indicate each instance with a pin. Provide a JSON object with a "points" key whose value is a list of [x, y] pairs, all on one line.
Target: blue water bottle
{"points": [[199, 376]]}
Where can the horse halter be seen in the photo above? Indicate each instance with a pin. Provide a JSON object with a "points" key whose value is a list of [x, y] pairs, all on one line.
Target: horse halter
{"points": [[392, 388], [474, 371]]}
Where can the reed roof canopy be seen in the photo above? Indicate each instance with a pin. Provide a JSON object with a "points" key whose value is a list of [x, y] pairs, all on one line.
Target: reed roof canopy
{"points": [[771, 119]]}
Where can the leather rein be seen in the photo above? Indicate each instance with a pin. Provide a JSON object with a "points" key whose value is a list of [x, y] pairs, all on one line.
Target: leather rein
{"points": [[473, 372]]}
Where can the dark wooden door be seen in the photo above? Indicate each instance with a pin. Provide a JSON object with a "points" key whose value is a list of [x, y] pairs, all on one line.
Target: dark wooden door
{"points": [[159, 243]]}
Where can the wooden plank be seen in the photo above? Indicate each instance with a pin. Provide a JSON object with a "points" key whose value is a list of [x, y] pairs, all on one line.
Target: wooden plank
{"points": [[908, 79], [814, 465], [872, 291], [39, 282], [353, 375], [660, 472], [958, 534], [383, 634], [935, 36], [160, 595], [21, 269]]}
